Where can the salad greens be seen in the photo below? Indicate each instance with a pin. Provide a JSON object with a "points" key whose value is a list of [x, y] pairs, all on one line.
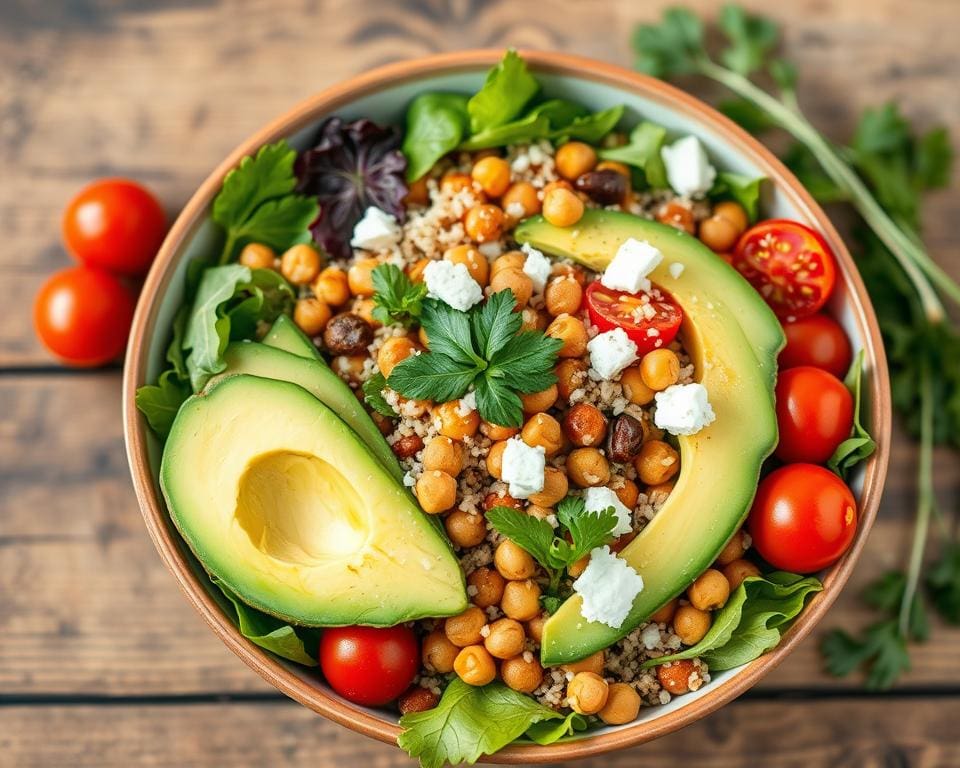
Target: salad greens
{"points": [[397, 298], [739, 188], [859, 445], [642, 151], [373, 395]]}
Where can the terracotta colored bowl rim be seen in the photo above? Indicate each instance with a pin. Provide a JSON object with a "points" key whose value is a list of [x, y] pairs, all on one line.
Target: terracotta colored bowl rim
{"points": [[327, 102]]}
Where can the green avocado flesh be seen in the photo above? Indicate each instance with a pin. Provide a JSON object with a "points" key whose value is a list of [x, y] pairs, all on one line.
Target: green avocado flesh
{"points": [[285, 335], [733, 339], [281, 501], [316, 377]]}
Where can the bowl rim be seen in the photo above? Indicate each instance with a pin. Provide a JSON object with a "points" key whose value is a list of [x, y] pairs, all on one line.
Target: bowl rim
{"points": [[328, 101]]}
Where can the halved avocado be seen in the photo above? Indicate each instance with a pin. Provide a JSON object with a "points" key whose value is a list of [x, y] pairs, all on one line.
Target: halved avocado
{"points": [[285, 335], [733, 339], [282, 502]]}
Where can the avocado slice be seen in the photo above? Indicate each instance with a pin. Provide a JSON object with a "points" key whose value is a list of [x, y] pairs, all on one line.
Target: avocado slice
{"points": [[285, 335], [733, 339], [316, 377], [281, 501]]}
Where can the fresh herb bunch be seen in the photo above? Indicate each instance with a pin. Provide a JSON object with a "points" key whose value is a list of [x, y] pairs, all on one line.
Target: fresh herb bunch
{"points": [[484, 349], [882, 175]]}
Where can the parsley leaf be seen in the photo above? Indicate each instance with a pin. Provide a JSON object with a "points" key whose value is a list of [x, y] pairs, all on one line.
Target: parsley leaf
{"points": [[508, 88], [432, 376], [943, 583], [859, 445], [525, 362], [883, 650], [673, 47], [751, 39], [397, 298], [588, 530], [448, 331], [642, 151], [497, 403], [373, 395], [495, 323], [526, 531]]}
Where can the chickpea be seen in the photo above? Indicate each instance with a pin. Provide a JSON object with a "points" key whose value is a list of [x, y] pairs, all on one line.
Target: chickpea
{"points": [[656, 463], [521, 600], [300, 264], [395, 350], [515, 279], [677, 215], [436, 491], [475, 666], [571, 331], [465, 529], [664, 489], [438, 652], [587, 693], [508, 260], [664, 614], [493, 500], [464, 628], [543, 430], [505, 639], [537, 402], [407, 446], [571, 374], [535, 627], [719, 234], [559, 184], [660, 369], [593, 663], [520, 201], [584, 425], [690, 624], [484, 223], [739, 570], [541, 513], [443, 454], [495, 459], [453, 423], [734, 213], [489, 586], [733, 550], [628, 493], [562, 208], [634, 388], [364, 308], [417, 192], [574, 159], [534, 320], [475, 262], [349, 367], [555, 487], [710, 591], [496, 432], [492, 174], [417, 699], [360, 276], [577, 567], [623, 705], [570, 270], [522, 675], [588, 468], [513, 561], [257, 256], [311, 315], [455, 182], [414, 408], [675, 676], [563, 296], [332, 287]]}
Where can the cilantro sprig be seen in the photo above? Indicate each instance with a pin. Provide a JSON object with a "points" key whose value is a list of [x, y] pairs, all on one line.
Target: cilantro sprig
{"points": [[397, 298], [484, 349]]}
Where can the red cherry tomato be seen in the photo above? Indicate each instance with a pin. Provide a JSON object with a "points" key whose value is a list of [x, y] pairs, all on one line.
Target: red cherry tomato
{"points": [[114, 224], [819, 341], [369, 665], [648, 329], [83, 315], [814, 414], [803, 518], [790, 265]]}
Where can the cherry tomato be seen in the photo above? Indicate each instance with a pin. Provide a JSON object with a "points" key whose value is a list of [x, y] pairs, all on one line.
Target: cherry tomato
{"points": [[369, 665], [83, 315], [814, 414], [803, 518], [819, 341], [648, 329], [114, 224], [790, 265]]}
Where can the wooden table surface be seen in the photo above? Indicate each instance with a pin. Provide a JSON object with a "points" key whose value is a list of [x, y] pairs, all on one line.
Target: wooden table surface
{"points": [[102, 662]]}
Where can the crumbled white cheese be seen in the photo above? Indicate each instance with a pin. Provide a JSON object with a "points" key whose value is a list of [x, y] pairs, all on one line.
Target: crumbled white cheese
{"points": [[688, 167], [409, 480], [683, 409], [491, 250], [598, 499], [452, 283], [536, 267], [376, 231], [650, 636], [628, 270], [608, 587], [468, 403], [610, 353], [523, 468], [676, 269]]}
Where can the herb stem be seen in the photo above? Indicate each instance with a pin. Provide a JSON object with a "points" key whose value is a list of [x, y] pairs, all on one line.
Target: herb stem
{"points": [[228, 247]]}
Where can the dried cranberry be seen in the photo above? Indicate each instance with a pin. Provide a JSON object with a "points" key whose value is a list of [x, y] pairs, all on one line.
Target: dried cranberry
{"points": [[605, 187], [626, 437], [347, 334]]}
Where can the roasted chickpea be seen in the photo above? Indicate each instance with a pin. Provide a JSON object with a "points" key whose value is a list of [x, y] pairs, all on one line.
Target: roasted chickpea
{"points": [[300, 264], [514, 279], [587, 693], [443, 454], [577, 567], [628, 493], [493, 500], [414, 408], [675, 676], [497, 432], [537, 402], [436, 491], [454, 423], [562, 208], [494, 459], [656, 463], [455, 182], [395, 350], [718, 234], [555, 487], [558, 184], [733, 550], [571, 375], [415, 270], [588, 468], [513, 562], [543, 430], [563, 296], [417, 699], [734, 213], [349, 367], [360, 276], [484, 223], [475, 666], [465, 628], [406, 446], [690, 624], [593, 663], [311, 315], [634, 388], [677, 215], [438, 652], [522, 673], [417, 192], [710, 591], [521, 600], [535, 627], [488, 584], [660, 369], [571, 331], [623, 705], [534, 319], [257, 256], [364, 308], [664, 614], [508, 260], [584, 425], [492, 174], [475, 262], [505, 639], [465, 529], [739, 570], [569, 270], [541, 513], [520, 201], [332, 287], [575, 158]]}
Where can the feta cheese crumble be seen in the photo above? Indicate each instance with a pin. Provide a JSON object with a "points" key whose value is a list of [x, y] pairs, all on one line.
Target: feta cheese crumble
{"points": [[683, 409], [536, 267], [598, 499], [610, 353], [676, 269], [452, 284], [688, 167], [376, 231], [633, 261], [650, 636], [608, 587], [468, 403], [523, 468]]}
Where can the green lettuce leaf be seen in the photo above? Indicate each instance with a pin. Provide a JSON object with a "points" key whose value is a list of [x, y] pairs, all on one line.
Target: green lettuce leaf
{"points": [[436, 122], [859, 445], [508, 89]]}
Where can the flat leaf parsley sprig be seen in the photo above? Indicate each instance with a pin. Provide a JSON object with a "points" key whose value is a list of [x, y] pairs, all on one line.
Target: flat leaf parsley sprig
{"points": [[484, 349]]}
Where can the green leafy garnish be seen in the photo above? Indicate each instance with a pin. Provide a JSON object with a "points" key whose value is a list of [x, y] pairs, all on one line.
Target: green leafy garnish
{"points": [[744, 190], [483, 348], [859, 445], [556, 119], [436, 122], [373, 395], [508, 88], [943, 583], [551, 731], [160, 402], [752, 621], [642, 151], [397, 299]]}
